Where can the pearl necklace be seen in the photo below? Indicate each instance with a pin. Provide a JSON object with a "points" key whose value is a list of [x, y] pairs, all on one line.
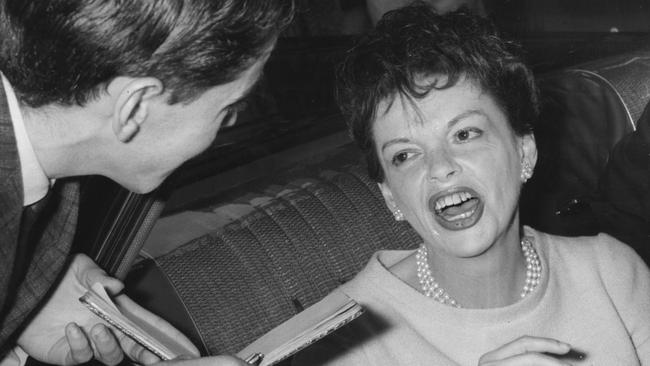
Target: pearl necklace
{"points": [[432, 289]]}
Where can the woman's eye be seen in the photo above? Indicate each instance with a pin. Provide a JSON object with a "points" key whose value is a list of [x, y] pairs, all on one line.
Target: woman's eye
{"points": [[400, 157], [467, 134]]}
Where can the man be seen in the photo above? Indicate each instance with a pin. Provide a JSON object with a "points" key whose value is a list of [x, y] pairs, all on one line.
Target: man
{"points": [[126, 89]]}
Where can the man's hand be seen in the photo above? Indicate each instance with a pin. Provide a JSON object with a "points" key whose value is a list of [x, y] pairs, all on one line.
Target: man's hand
{"points": [[64, 332]]}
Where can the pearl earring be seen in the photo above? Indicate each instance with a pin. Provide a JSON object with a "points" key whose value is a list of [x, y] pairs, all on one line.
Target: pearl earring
{"points": [[398, 215], [526, 171]]}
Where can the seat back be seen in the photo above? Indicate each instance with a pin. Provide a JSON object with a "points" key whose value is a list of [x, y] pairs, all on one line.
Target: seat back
{"points": [[585, 111]]}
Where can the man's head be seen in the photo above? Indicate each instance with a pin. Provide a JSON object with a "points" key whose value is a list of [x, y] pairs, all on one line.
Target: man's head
{"points": [[66, 51], [413, 51], [132, 89]]}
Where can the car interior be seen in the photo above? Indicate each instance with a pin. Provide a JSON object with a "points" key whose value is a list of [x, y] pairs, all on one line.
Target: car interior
{"points": [[279, 211]]}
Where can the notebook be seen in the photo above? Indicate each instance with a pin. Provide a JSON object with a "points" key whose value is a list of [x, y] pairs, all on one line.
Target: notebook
{"points": [[305, 328]]}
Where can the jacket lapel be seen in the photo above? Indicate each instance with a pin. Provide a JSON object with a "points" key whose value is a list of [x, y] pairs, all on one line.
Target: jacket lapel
{"points": [[45, 243]]}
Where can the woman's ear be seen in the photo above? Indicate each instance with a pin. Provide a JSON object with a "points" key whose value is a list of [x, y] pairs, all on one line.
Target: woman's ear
{"points": [[388, 196], [133, 104], [529, 149], [390, 202]]}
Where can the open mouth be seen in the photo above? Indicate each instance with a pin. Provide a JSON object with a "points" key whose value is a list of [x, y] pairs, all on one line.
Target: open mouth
{"points": [[457, 209]]}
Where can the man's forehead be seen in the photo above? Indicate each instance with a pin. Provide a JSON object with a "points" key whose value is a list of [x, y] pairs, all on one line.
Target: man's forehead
{"points": [[248, 81]]}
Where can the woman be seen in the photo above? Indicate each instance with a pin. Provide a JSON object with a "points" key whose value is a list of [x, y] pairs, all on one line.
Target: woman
{"points": [[443, 110]]}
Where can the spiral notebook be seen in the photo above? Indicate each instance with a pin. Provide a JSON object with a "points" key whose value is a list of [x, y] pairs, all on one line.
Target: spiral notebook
{"points": [[305, 328], [147, 335], [312, 324]]}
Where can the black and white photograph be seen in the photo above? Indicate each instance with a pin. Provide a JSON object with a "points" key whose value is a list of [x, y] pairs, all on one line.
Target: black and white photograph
{"points": [[325, 182]]}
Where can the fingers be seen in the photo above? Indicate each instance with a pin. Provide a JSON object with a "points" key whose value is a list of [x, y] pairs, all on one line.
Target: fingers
{"points": [[526, 349], [99, 343], [528, 359], [112, 285], [93, 273], [88, 272], [107, 348], [135, 351], [80, 349]]}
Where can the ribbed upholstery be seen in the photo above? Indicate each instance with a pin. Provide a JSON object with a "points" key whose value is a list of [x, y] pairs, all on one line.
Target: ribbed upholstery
{"points": [[291, 251]]}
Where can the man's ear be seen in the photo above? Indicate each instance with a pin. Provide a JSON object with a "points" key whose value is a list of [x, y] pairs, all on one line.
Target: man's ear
{"points": [[529, 149], [132, 106]]}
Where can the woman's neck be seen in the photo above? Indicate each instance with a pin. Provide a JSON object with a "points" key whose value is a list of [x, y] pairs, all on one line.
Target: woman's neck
{"points": [[493, 279]]}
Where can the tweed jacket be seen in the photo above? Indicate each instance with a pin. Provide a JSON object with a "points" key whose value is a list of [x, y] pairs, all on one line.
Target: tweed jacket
{"points": [[34, 241]]}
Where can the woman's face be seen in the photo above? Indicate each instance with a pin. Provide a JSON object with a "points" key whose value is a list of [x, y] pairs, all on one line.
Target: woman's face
{"points": [[453, 167]]}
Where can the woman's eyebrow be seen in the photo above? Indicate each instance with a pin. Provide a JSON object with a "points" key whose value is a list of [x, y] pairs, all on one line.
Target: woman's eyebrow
{"points": [[450, 124], [465, 115], [393, 141]]}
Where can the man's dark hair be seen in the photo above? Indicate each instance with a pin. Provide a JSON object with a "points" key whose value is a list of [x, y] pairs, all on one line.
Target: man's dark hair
{"points": [[67, 51], [410, 44]]}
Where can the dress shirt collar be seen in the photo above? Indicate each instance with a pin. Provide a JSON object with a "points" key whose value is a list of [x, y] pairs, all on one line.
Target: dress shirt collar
{"points": [[35, 182]]}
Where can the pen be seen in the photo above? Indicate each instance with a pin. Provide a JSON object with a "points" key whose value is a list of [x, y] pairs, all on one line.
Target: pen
{"points": [[573, 354], [254, 359]]}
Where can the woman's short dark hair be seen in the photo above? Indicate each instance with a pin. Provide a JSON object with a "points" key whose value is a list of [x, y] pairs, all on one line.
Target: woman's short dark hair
{"points": [[66, 51], [414, 42]]}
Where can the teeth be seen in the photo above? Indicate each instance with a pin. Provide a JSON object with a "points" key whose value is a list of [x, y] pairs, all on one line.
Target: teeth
{"points": [[452, 199], [456, 199], [449, 200]]}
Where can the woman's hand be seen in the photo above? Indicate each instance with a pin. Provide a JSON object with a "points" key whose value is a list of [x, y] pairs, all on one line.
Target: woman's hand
{"points": [[527, 351]]}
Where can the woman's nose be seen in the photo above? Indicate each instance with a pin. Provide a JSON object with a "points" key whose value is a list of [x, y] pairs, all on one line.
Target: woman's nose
{"points": [[442, 165]]}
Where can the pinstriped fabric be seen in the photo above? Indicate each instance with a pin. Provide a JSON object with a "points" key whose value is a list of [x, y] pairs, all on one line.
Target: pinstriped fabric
{"points": [[51, 237], [45, 244], [11, 198]]}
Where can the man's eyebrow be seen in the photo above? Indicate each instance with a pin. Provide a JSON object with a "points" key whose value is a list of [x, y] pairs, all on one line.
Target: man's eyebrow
{"points": [[249, 90], [450, 124]]}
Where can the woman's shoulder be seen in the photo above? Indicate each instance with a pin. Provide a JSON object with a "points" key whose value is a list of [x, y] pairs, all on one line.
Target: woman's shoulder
{"points": [[596, 243], [376, 275], [602, 250]]}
